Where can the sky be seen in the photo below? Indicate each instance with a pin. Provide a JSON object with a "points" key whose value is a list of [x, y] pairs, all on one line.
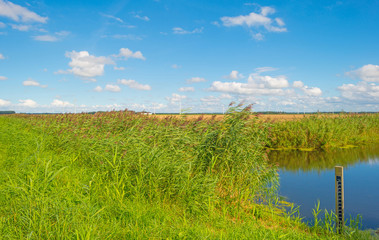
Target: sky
{"points": [[170, 56]]}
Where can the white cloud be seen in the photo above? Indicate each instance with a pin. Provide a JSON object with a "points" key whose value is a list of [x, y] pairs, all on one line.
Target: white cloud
{"points": [[258, 36], [127, 53], [62, 33], [2, 25], [286, 103], [112, 17], [256, 85], [267, 11], [123, 36], [60, 103], [210, 100], [31, 82], [52, 38], [178, 30], [175, 98], [268, 81], [234, 87], [118, 68], [112, 88], [21, 27], [265, 69], [2, 56], [2, 78], [85, 65], [361, 92], [144, 18], [134, 84], [45, 38], [279, 21], [368, 73], [298, 84], [225, 96], [19, 13], [98, 89], [196, 80], [234, 75], [27, 103], [257, 20], [312, 91], [186, 89], [4, 103]]}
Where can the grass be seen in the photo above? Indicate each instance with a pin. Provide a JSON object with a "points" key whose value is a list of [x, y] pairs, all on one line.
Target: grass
{"points": [[321, 132], [118, 175]]}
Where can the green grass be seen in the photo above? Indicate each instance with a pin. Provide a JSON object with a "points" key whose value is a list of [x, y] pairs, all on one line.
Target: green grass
{"points": [[117, 175], [322, 132]]}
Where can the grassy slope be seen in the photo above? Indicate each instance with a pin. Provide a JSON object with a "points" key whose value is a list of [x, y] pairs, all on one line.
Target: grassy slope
{"points": [[67, 177]]}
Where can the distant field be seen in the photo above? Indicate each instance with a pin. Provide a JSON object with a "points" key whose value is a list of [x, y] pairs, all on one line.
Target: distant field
{"points": [[268, 117]]}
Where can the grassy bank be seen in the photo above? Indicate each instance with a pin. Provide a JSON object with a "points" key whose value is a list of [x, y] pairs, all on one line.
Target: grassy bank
{"points": [[118, 175], [322, 132]]}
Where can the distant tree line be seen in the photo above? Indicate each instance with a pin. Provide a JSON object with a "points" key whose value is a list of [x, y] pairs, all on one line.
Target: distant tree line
{"points": [[7, 112]]}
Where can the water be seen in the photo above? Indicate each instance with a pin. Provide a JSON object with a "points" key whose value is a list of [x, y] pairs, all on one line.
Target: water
{"points": [[306, 177]]}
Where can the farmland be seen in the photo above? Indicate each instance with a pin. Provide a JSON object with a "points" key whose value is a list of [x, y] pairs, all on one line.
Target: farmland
{"points": [[118, 175]]}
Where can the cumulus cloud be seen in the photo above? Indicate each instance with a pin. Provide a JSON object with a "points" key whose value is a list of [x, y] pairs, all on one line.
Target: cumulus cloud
{"points": [[368, 73], [134, 84], [18, 13], [234, 75], [175, 98], [112, 88], [312, 91], [269, 82], [257, 21], [127, 53], [4, 103], [60, 103], [298, 84], [28, 103], [178, 30], [186, 89], [196, 80], [98, 89], [118, 68], [243, 88], [361, 92], [258, 85], [21, 27], [31, 82], [2, 78], [85, 65]]}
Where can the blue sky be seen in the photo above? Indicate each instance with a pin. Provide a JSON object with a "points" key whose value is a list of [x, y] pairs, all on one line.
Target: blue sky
{"points": [[158, 55]]}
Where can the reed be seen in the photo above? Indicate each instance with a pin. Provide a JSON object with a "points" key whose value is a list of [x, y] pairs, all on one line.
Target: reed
{"points": [[118, 175], [322, 132]]}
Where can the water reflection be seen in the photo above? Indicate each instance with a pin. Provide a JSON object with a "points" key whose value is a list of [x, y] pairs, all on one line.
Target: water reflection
{"points": [[293, 160], [306, 177]]}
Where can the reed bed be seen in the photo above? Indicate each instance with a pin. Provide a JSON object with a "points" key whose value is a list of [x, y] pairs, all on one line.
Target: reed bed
{"points": [[118, 175], [319, 132]]}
